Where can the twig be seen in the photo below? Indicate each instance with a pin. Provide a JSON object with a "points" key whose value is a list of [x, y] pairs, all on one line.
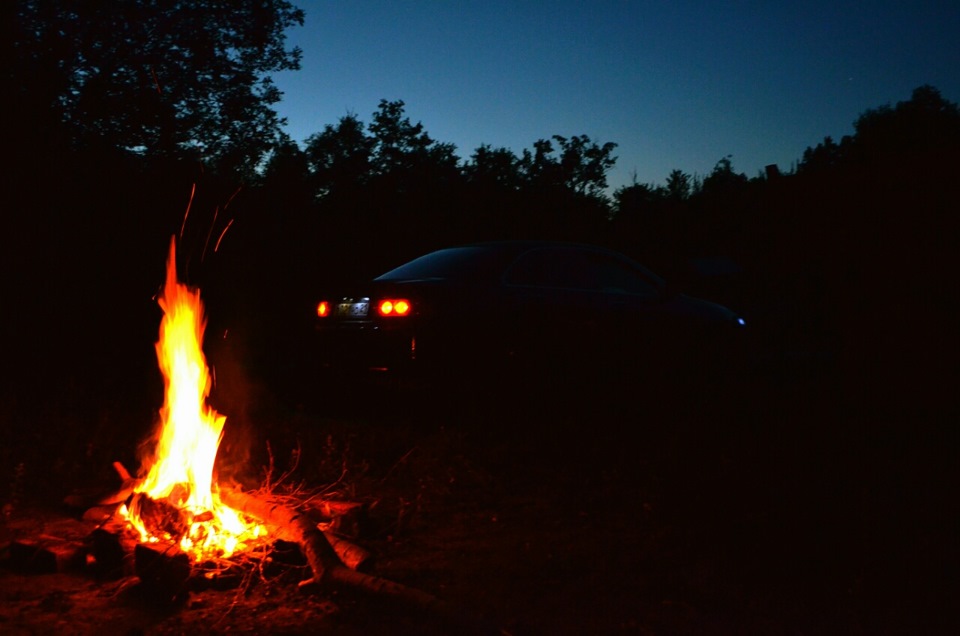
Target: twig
{"points": [[398, 462]]}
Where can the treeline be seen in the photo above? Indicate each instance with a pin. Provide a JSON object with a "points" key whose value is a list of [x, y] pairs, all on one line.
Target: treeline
{"points": [[131, 127], [388, 188]]}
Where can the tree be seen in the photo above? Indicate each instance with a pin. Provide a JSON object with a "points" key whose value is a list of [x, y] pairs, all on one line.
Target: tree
{"points": [[402, 150], [340, 157], [580, 167], [183, 78], [924, 129], [722, 179], [584, 164], [679, 185], [826, 156], [926, 123], [493, 167], [538, 167], [286, 174], [637, 197]]}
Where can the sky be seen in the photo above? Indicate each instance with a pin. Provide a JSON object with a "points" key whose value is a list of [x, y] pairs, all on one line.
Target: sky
{"points": [[675, 84]]}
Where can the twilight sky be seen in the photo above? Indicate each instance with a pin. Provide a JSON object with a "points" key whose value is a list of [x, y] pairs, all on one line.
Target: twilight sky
{"points": [[675, 83]]}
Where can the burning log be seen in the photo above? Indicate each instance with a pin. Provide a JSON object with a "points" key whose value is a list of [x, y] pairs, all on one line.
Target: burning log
{"points": [[161, 517], [291, 525]]}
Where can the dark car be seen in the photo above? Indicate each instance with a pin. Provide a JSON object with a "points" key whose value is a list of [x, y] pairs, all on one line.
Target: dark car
{"points": [[531, 306]]}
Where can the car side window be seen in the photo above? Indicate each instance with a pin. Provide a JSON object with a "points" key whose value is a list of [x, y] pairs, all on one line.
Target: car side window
{"points": [[537, 268], [579, 269]]}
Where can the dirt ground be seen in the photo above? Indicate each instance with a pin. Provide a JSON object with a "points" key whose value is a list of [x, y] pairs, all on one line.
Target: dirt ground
{"points": [[773, 509]]}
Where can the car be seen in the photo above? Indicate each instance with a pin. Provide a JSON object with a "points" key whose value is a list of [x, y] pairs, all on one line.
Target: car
{"points": [[539, 308]]}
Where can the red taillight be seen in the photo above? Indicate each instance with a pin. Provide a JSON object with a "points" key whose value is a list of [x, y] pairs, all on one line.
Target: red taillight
{"points": [[394, 307], [323, 309]]}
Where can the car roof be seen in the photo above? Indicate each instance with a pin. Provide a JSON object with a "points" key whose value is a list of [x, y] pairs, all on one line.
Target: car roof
{"points": [[483, 261], [463, 262]]}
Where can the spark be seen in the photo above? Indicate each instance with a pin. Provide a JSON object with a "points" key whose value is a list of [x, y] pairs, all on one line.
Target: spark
{"points": [[156, 81], [213, 224], [183, 225], [217, 246], [232, 197]]}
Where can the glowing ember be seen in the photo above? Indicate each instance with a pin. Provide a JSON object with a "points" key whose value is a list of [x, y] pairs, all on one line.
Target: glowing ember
{"points": [[178, 501]]}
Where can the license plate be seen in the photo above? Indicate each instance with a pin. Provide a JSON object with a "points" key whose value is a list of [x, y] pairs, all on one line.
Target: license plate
{"points": [[353, 309]]}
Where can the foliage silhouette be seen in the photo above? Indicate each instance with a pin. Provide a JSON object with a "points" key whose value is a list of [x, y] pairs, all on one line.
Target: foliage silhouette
{"points": [[340, 158], [182, 79], [679, 185], [723, 179]]}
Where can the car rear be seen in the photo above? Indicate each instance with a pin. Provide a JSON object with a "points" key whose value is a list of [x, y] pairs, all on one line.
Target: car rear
{"points": [[372, 331]]}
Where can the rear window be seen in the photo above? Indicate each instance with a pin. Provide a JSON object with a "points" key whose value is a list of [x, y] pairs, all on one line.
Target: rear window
{"points": [[583, 269], [471, 263]]}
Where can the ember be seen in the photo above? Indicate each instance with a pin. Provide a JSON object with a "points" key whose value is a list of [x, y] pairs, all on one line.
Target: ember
{"points": [[178, 500]]}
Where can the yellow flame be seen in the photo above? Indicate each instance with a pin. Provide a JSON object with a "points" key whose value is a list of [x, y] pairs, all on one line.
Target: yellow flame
{"points": [[181, 474]]}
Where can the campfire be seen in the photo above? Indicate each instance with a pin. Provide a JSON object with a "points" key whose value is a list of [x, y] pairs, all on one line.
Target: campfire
{"points": [[176, 509], [178, 501], [174, 526]]}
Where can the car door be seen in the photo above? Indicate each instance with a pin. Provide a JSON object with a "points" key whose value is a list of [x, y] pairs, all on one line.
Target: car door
{"points": [[579, 304]]}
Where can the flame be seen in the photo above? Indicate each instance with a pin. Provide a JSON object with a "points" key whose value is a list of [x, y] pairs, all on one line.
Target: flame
{"points": [[181, 473]]}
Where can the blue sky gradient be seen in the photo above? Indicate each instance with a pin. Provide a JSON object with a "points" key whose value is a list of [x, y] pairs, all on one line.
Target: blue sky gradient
{"points": [[676, 84]]}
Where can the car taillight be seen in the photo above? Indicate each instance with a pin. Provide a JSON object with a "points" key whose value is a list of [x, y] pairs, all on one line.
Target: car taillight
{"points": [[393, 307], [323, 309]]}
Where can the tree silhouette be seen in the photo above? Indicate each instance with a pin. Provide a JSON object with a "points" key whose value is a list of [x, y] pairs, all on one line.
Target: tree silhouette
{"points": [[926, 122], [828, 155], [679, 185], [494, 168], [286, 174], [340, 157], [723, 179], [171, 79], [584, 164], [402, 150], [581, 165], [637, 197], [925, 129]]}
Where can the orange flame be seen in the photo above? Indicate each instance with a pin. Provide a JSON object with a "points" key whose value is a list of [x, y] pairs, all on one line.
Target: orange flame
{"points": [[181, 474]]}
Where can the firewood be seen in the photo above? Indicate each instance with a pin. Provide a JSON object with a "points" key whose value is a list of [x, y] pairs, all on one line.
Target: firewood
{"points": [[109, 547], [122, 471], [339, 520], [160, 517], [47, 555], [85, 500], [162, 568], [346, 518], [290, 525], [331, 508], [327, 567], [100, 514], [352, 555]]}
